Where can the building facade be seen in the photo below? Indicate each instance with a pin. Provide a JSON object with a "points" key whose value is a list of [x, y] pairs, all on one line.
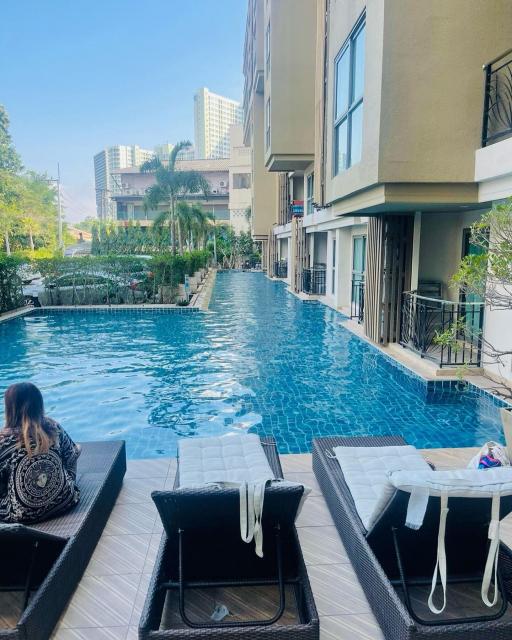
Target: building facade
{"points": [[129, 200], [239, 182], [371, 121], [213, 117], [106, 163]]}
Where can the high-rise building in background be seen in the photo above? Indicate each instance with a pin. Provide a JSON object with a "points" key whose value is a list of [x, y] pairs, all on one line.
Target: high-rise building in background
{"points": [[163, 151], [213, 116], [106, 162]]}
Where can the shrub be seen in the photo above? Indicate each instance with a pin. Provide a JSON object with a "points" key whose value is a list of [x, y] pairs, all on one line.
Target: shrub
{"points": [[117, 279], [11, 290]]}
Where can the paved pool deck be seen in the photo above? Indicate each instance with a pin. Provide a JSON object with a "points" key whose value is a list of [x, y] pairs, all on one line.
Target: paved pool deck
{"points": [[108, 601]]}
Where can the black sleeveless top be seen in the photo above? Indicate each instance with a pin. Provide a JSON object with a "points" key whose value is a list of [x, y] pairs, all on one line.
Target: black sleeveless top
{"points": [[38, 487]]}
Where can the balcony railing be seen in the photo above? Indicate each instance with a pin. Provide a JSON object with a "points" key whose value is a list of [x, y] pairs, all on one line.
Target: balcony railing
{"points": [[423, 319], [281, 269], [497, 116], [357, 301], [313, 281]]}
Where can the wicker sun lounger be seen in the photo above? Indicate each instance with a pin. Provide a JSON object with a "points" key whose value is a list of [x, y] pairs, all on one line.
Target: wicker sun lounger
{"points": [[392, 561], [201, 549], [46, 560]]}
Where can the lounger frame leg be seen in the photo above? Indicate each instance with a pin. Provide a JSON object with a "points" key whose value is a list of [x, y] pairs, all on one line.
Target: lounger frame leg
{"points": [[434, 622], [182, 585], [28, 582]]}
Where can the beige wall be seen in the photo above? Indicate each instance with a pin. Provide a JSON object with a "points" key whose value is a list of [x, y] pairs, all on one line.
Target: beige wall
{"points": [[432, 85], [423, 93], [264, 184], [291, 82], [440, 247], [343, 16]]}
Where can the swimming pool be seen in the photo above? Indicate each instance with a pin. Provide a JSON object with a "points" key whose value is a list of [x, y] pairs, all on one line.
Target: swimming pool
{"points": [[259, 359]]}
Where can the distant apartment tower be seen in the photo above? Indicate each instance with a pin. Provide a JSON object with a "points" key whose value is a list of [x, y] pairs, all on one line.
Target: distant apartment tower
{"points": [[108, 161], [163, 151], [213, 116]]}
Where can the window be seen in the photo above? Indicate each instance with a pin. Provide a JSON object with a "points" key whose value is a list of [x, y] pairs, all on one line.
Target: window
{"points": [[267, 49], [310, 186], [358, 269], [241, 181], [348, 103], [267, 125]]}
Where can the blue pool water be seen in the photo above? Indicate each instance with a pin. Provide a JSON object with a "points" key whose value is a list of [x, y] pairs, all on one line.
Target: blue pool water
{"points": [[259, 360]]}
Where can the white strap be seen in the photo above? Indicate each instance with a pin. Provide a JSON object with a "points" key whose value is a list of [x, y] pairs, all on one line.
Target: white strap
{"points": [[492, 556], [252, 495], [417, 507], [441, 557]]}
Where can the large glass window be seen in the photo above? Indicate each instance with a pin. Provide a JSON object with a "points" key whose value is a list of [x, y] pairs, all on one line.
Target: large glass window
{"points": [[310, 186], [333, 267], [267, 125], [267, 49], [348, 108], [358, 269]]}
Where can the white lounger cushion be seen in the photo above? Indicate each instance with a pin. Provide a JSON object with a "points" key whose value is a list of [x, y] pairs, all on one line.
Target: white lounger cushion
{"points": [[458, 483], [367, 470], [230, 458], [233, 461]]}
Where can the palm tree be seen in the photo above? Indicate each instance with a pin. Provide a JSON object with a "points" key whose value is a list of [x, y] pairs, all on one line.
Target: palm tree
{"points": [[172, 186]]}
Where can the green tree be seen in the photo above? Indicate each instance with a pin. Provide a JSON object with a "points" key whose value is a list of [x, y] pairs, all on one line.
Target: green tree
{"points": [[86, 224], [38, 215], [171, 187], [487, 274], [11, 194], [10, 161]]}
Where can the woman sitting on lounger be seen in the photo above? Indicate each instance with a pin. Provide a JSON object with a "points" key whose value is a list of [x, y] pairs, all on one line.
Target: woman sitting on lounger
{"points": [[37, 460]]}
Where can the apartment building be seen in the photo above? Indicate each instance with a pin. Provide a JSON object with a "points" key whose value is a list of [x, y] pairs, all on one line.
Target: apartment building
{"points": [[373, 151], [129, 199], [239, 181], [213, 117], [108, 161]]}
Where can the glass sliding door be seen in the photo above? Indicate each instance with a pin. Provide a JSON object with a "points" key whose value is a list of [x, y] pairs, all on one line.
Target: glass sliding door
{"points": [[358, 270]]}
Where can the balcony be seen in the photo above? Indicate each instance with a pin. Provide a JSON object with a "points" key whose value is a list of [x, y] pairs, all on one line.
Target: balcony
{"points": [[313, 281], [497, 116], [281, 269], [424, 318]]}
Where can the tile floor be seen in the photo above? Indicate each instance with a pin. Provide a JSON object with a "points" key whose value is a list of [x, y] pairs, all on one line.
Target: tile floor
{"points": [[108, 600]]}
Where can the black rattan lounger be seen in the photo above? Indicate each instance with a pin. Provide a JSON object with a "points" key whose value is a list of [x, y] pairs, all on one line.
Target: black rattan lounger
{"points": [[47, 560], [392, 560], [201, 548]]}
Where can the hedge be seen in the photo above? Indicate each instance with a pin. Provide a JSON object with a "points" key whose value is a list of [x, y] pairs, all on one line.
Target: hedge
{"points": [[11, 290], [117, 279], [100, 279]]}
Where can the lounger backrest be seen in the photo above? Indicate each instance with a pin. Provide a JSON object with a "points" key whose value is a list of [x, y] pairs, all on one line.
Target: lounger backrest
{"points": [[214, 508]]}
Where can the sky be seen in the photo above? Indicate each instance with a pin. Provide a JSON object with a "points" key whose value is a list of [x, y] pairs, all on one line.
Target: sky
{"points": [[79, 75]]}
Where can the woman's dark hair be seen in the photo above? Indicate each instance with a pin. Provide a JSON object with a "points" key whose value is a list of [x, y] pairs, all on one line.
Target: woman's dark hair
{"points": [[24, 416]]}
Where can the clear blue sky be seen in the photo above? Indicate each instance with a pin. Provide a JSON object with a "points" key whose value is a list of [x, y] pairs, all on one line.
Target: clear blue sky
{"points": [[79, 75]]}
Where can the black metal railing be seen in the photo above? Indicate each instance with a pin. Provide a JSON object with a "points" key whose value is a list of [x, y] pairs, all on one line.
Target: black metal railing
{"points": [[281, 269], [357, 300], [313, 281], [497, 116], [424, 320]]}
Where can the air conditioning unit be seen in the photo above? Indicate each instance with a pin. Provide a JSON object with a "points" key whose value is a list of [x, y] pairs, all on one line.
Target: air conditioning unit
{"points": [[222, 184]]}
